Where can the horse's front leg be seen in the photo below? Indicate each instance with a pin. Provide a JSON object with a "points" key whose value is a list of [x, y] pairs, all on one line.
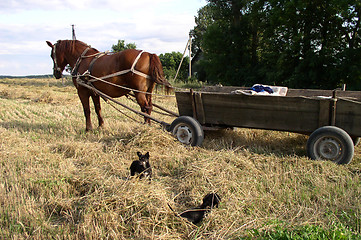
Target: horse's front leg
{"points": [[96, 101], [84, 99]]}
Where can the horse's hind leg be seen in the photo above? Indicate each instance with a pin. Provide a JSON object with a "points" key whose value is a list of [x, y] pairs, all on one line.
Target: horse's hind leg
{"points": [[96, 101], [144, 105], [84, 99], [149, 98]]}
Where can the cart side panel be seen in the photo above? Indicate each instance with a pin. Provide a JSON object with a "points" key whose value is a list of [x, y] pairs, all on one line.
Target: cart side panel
{"points": [[296, 114], [265, 112], [184, 103], [348, 116]]}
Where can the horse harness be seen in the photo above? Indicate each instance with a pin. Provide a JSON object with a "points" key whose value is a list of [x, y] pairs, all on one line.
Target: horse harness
{"points": [[87, 74], [87, 78]]}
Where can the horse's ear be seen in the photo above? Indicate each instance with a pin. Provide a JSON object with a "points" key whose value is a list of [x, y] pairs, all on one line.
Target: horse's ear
{"points": [[49, 44]]}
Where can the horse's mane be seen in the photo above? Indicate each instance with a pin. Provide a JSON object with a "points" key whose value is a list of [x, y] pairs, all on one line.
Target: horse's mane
{"points": [[63, 45]]}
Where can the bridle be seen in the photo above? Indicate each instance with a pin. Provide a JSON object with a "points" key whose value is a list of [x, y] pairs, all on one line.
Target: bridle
{"points": [[56, 67], [75, 69]]}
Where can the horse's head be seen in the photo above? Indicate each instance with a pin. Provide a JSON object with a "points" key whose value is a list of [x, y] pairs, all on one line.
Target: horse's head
{"points": [[58, 60]]}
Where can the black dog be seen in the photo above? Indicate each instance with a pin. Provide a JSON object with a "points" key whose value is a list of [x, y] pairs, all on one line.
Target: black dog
{"points": [[196, 215], [141, 166]]}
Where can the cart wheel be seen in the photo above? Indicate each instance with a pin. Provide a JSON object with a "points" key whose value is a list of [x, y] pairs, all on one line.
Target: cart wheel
{"points": [[330, 143], [187, 130]]}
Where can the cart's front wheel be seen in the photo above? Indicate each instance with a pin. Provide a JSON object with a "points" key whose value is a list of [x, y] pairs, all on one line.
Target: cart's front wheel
{"points": [[187, 130], [330, 143]]}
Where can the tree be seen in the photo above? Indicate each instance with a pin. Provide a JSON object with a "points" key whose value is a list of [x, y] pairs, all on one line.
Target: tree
{"points": [[309, 39], [226, 44], [120, 46], [203, 20], [300, 44], [171, 61]]}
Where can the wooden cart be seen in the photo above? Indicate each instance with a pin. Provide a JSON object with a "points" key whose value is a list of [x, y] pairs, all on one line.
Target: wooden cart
{"points": [[331, 118]]}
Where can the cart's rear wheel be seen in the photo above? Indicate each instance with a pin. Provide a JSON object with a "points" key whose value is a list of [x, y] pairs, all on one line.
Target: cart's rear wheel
{"points": [[187, 130], [330, 143]]}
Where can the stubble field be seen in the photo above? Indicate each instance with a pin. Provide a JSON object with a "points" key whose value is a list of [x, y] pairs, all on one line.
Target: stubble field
{"points": [[58, 182]]}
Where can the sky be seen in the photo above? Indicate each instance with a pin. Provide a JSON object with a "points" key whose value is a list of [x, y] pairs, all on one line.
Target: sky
{"points": [[156, 26]]}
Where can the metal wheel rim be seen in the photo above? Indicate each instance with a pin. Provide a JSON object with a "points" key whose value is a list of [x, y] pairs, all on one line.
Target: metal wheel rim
{"points": [[329, 148], [184, 134]]}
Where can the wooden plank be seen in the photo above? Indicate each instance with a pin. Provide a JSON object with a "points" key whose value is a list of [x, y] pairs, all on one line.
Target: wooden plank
{"points": [[333, 107], [348, 116], [354, 95], [199, 108], [308, 93], [267, 112], [223, 89], [184, 103], [351, 95], [324, 113], [191, 97]]}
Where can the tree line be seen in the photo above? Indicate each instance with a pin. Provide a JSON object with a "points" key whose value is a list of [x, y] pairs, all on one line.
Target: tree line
{"points": [[299, 44]]}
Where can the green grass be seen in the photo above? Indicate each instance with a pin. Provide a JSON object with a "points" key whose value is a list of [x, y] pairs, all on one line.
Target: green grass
{"points": [[307, 232], [58, 182]]}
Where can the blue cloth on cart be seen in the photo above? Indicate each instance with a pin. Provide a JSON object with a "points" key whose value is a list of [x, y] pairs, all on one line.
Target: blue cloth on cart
{"points": [[261, 88]]}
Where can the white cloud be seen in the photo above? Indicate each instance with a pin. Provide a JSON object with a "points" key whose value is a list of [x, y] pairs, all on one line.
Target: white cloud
{"points": [[23, 5], [156, 26]]}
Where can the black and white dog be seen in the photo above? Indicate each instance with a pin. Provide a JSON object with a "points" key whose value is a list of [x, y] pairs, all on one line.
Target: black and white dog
{"points": [[141, 166]]}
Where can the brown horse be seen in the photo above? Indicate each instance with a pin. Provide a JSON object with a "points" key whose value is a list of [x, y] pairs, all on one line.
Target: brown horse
{"points": [[130, 68]]}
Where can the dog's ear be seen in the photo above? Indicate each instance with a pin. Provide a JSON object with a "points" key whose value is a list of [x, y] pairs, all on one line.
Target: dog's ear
{"points": [[147, 155], [139, 154]]}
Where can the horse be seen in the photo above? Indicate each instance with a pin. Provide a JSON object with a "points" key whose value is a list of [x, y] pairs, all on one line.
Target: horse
{"points": [[114, 74]]}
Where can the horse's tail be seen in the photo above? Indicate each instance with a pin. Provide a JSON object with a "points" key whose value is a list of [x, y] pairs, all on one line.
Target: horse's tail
{"points": [[156, 72]]}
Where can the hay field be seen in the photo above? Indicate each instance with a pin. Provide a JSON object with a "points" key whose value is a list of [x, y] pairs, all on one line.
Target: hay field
{"points": [[58, 182]]}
